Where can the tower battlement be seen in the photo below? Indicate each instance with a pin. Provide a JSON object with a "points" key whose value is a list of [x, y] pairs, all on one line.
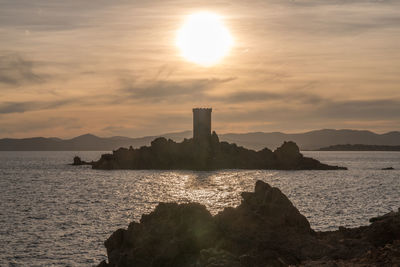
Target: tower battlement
{"points": [[201, 123]]}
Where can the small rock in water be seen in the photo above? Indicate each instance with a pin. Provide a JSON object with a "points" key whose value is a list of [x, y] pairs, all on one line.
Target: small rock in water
{"points": [[78, 162], [388, 168]]}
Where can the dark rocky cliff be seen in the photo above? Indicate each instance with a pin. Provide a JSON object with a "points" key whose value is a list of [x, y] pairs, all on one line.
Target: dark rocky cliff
{"points": [[264, 230]]}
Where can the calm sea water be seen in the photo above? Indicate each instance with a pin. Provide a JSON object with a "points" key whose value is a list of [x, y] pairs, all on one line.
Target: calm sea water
{"points": [[53, 214]]}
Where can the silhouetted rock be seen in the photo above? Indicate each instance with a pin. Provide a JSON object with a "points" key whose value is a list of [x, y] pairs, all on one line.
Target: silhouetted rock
{"points": [[384, 229], [388, 168], [207, 154], [265, 227], [78, 162], [386, 256], [172, 235], [264, 230]]}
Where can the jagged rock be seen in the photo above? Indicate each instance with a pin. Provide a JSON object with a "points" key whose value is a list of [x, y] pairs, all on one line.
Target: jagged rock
{"points": [[78, 162], [385, 216], [172, 235], [103, 264], [264, 230], [386, 256], [265, 225], [288, 155], [384, 229], [207, 154], [213, 257]]}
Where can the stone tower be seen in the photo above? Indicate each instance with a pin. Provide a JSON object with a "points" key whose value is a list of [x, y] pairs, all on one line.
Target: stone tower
{"points": [[201, 123]]}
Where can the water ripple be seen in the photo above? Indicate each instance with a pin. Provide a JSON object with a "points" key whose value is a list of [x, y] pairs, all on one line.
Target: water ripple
{"points": [[53, 214]]}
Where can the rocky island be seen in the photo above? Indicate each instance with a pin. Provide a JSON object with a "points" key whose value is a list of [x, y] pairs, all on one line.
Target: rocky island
{"points": [[209, 154], [204, 152], [264, 230]]}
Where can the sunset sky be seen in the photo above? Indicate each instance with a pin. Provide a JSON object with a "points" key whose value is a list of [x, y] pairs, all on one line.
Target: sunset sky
{"points": [[113, 67]]}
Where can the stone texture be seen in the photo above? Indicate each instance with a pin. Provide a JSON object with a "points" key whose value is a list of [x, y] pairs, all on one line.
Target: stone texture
{"points": [[264, 230]]}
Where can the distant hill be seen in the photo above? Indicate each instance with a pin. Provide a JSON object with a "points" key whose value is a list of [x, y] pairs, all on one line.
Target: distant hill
{"points": [[312, 140], [359, 147], [86, 142]]}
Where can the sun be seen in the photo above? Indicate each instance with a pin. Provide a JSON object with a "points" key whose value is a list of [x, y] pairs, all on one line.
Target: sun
{"points": [[204, 39]]}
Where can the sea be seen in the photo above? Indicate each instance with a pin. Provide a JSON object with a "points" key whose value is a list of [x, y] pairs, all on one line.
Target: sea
{"points": [[55, 214]]}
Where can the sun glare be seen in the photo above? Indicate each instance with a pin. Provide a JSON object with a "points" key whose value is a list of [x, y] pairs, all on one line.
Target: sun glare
{"points": [[204, 39]]}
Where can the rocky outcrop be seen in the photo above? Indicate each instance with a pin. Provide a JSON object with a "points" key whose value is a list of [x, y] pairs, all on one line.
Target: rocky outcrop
{"points": [[264, 230], [207, 155], [172, 235], [78, 162], [375, 245], [386, 256]]}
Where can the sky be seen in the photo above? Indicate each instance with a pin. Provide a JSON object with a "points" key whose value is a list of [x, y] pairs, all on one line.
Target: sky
{"points": [[112, 68]]}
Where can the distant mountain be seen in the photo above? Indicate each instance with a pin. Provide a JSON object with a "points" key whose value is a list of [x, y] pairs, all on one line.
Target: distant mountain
{"points": [[312, 140], [86, 142]]}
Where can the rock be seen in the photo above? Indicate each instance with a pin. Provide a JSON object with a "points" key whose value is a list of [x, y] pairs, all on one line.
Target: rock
{"points": [[78, 162], [265, 225], [207, 154], [288, 157], [264, 230], [384, 229], [172, 235], [114, 245], [384, 217], [388, 256], [213, 257], [388, 168], [103, 264]]}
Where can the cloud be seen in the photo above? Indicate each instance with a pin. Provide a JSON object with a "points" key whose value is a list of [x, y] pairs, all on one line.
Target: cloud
{"points": [[167, 90], [151, 124], [264, 96], [347, 46], [15, 70], [361, 109], [33, 126], [327, 110], [44, 15], [21, 107]]}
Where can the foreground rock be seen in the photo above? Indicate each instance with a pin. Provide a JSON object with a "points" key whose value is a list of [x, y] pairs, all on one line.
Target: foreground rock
{"points": [[209, 154], [264, 230]]}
